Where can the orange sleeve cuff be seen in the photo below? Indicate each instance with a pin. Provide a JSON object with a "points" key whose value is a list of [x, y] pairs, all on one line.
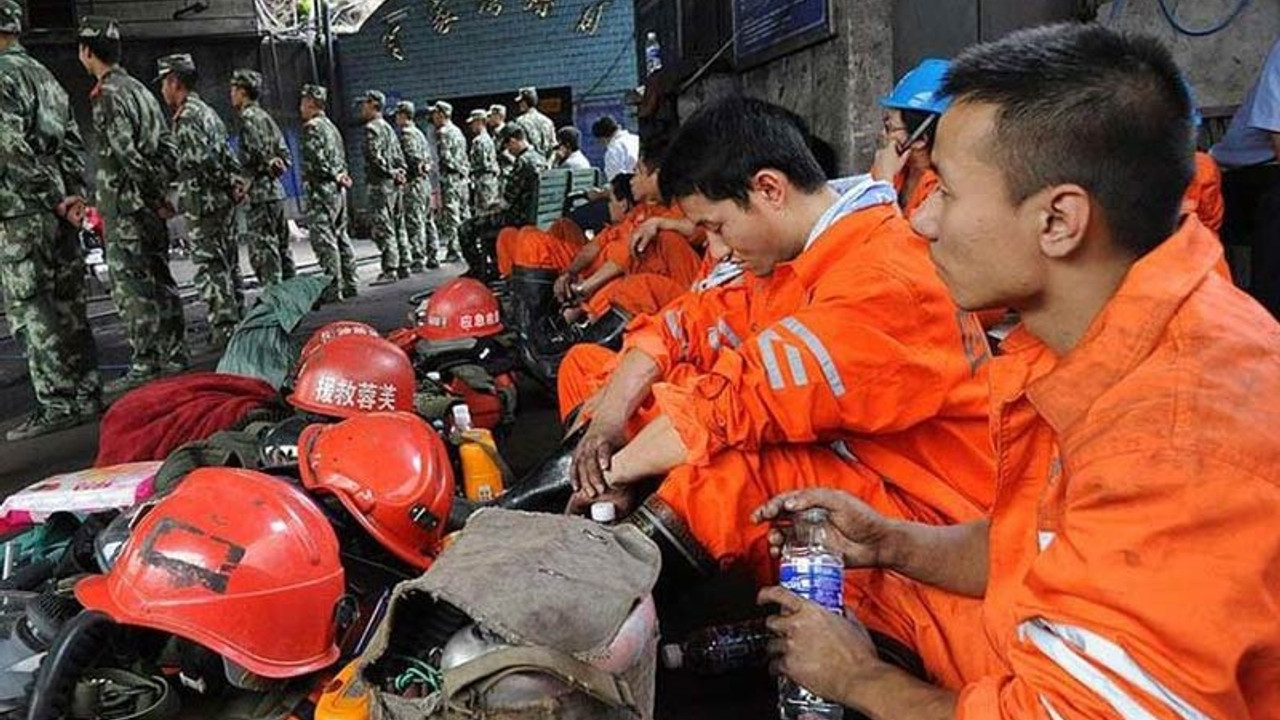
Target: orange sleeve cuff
{"points": [[643, 336], [690, 416]]}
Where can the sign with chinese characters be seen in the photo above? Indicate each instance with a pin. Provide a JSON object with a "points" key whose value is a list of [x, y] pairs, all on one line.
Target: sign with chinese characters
{"points": [[768, 29]]}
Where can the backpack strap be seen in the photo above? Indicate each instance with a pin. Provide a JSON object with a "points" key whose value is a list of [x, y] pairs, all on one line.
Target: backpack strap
{"points": [[466, 684]]}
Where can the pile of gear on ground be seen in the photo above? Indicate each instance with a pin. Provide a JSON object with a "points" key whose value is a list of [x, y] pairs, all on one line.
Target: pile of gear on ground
{"points": [[290, 564]]}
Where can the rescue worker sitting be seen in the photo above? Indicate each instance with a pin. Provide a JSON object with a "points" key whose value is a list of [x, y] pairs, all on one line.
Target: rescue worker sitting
{"points": [[1128, 566], [651, 250], [910, 121], [839, 343]]}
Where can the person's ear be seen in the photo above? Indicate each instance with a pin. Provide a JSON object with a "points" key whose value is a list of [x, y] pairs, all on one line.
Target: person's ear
{"points": [[771, 187], [1063, 213]]}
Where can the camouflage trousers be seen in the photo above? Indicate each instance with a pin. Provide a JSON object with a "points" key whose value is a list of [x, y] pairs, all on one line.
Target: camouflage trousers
{"points": [[386, 222], [217, 259], [454, 210], [42, 273], [485, 192], [327, 226], [420, 223], [268, 239], [144, 292]]}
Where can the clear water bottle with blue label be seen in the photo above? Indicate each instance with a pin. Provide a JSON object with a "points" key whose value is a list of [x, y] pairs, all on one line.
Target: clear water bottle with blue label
{"points": [[811, 570], [652, 54]]}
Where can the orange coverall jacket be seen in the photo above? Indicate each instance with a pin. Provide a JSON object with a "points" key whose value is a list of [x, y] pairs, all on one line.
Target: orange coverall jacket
{"points": [[1134, 545], [855, 340], [1204, 194]]}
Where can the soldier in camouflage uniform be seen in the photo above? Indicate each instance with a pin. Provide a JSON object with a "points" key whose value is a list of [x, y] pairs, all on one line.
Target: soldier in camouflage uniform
{"points": [[324, 172], [264, 158], [455, 178], [538, 128], [517, 205], [206, 174], [384, 172], [41, 268], [497, 120], [484, 164], [137, 159], [419, 216]]}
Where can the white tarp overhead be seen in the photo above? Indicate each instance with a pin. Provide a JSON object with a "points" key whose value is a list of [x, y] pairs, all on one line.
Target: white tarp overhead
{"points": [[294, 17]]}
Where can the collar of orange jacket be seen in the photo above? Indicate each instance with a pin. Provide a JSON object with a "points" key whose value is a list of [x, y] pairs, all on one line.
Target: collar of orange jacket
{"points": [[843, 235], [1128, 328]]}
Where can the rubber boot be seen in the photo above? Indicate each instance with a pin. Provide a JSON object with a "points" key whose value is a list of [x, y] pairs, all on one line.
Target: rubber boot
{"points": [[532, 293]]}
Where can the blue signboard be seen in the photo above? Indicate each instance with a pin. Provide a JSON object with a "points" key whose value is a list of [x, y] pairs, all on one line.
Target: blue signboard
{"points": [[766, 29]]}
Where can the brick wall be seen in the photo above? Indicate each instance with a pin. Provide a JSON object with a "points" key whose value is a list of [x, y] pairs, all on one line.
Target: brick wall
{"points": [[484, 54]]}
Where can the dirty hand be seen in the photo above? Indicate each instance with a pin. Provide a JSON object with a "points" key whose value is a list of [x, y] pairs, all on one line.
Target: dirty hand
{"points": [[888, 161], [561, 288], [593, 457], [643, 235], [815, 648], [862, 536], [71, 209], [239, 191], [345, 180], [276, 167]]}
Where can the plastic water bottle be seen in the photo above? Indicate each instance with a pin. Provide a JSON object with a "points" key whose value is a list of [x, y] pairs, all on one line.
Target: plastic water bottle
{"points": [[720, 649], [812, 571], [652, 54], [481, 475]]}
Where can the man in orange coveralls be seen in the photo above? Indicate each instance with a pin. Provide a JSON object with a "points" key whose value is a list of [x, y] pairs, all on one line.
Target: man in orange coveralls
{"points": [[852, 368], [1129, 566]]}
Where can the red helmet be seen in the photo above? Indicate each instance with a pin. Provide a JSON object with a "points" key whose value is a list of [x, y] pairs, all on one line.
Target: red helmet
{"points": [[234, 560], [391, 471], [461, 308], [353, 375], [333, 331]]}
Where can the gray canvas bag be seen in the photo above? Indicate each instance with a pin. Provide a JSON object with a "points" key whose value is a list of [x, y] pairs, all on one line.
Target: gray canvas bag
{"points": [[567, 604]]}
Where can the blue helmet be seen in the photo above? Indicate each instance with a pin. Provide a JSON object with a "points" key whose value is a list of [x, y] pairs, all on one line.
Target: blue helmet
{"points": [[920, 89]]}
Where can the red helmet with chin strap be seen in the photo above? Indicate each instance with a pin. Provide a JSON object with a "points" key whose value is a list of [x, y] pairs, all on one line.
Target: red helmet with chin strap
{"points": [[237, 561], [391, 472], [352, 375], [461, 308]]}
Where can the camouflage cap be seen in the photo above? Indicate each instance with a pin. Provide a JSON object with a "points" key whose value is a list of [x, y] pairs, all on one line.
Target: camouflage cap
{"points": [[443, 107], [315, 92], [246, 78], [92, 26], [374, 95], [478, 115], [174, 63], [406, 108], [498, 110], [10, 17], [527, 94]]}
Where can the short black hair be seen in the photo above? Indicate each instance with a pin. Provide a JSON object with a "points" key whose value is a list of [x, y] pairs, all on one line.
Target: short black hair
{"points": [[104, 48], [653, 150], [718, 151], [513, 132], [621, 184], [569, 137], [186, 78], [605, 127], [252, 92], [1086, 105]]}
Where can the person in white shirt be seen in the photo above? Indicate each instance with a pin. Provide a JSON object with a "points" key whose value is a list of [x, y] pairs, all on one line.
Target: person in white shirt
{"points": [[622, 148], [568, 150]]}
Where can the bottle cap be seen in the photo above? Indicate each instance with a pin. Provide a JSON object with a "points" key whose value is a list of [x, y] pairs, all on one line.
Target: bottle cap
{"points": [[604, 512], [672, 657], [462, 417]]}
